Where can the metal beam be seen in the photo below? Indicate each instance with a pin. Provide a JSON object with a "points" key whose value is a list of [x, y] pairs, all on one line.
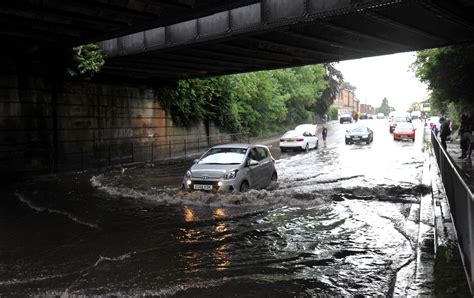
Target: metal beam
{"points": [[324, 41], [258, 17]]}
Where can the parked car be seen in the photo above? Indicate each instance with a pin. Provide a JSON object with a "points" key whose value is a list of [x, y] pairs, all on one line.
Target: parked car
{"points": [[359, 134], [395, 120], [404, 131], [346, 118], [380, 115], [364, 116], [302, 137], [232, 167]]}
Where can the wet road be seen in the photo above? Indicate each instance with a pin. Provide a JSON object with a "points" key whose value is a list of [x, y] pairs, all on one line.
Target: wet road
{"points": [[342, 220]]}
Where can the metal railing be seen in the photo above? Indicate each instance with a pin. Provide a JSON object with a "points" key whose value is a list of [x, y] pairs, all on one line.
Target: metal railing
{"points": [[461, 205], [40, 159]]}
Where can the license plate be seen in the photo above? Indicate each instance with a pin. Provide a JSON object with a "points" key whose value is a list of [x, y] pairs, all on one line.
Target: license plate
{"points": [[202, 187], [356, 139], [289, 141]]}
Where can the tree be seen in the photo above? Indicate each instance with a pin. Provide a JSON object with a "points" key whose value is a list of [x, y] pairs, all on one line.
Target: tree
{"points": [[384, 108], [87, 60], [334, 80], [349, 86], [256, 103], [449, 73]]}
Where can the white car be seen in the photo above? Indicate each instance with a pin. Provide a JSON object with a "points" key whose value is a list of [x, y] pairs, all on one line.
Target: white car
{"points": [[302, 137]]}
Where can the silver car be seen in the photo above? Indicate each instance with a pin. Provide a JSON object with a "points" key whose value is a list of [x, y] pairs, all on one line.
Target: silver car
{"points": [[232, 167]]}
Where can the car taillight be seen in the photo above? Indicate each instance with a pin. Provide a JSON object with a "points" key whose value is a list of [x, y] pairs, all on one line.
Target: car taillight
{"points": [[282, 140], [299, 140]]}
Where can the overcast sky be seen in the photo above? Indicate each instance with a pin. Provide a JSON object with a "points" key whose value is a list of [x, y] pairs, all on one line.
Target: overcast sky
{"points": [[384, 76]]}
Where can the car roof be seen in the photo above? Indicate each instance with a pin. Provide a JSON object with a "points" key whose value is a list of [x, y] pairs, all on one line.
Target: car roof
{"points": [[238, 145], [359, 126], [305, 127]]}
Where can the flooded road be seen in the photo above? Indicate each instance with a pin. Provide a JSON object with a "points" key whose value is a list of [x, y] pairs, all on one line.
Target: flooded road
{"points": [[342, 220]]}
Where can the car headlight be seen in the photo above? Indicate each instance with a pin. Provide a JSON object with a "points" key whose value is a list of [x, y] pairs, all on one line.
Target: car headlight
{"points": [[188, 174], [348, 136], [365, 136], [231, 175]]}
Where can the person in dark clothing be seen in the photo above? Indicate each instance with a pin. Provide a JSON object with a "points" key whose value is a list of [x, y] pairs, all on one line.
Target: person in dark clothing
{"points": [[325, 134], [463, 129], [444, 131]]}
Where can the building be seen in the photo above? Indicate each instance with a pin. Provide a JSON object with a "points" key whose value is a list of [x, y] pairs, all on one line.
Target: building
{"points": [[367, 109], [346, 102]]}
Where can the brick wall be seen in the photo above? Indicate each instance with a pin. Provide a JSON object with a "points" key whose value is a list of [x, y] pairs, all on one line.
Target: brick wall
{"points": [[84, 124]]}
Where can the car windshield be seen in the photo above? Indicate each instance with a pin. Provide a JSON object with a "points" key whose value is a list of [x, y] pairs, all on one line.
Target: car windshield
{"points": [[404, 126], [359, 129], [399, 119], [224, 156]]}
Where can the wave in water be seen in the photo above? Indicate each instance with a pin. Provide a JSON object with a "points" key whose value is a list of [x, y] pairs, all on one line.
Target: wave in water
{"points": [[54, 211]]}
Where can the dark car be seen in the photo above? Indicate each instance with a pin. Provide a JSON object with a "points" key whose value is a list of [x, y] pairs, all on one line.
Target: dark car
{"points": [[346, 118], [359, 134], [364, 116]]}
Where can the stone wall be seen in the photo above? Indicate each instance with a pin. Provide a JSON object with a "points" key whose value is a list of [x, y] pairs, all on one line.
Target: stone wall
{"points": [[47, 127]]}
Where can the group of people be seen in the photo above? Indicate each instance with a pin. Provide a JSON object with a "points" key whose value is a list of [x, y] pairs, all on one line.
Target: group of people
{"points": [[466, 130]]}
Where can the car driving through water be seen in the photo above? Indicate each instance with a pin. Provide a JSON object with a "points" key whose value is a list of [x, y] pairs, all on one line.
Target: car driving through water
{"points": [[359, 134], [232, 167], [404, 131]]}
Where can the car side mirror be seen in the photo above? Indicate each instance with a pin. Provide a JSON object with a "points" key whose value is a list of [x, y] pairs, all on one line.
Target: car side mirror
{"points": [[252, 162], [195, 161]]}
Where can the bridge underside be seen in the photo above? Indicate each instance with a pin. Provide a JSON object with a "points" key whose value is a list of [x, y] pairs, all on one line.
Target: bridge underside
{"points": [[280, 34]]}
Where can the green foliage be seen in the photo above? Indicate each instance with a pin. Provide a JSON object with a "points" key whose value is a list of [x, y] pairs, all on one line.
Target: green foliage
{"points": [[256, 103], [334, 80], [87, 60], [449, 73], [332, 113], [384, 108]]}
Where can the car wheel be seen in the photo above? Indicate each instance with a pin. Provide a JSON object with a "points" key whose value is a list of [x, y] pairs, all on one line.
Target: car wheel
{"points": [[306, 149], [283, 149], [413, 140], [274, 177], [317, 145], [244, 186]]}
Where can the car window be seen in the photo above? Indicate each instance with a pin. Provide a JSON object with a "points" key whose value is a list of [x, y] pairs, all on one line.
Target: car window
{"points": [[254, 154], [399, 119], [404, 126], [224, 156], [360, 129], [262, 153]]}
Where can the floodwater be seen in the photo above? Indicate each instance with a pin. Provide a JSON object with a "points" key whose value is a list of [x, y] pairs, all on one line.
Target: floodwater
{"points": [[341, 220]]}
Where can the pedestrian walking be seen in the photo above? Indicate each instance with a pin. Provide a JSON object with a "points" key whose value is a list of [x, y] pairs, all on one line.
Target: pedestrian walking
{"points": [[325, 134]]}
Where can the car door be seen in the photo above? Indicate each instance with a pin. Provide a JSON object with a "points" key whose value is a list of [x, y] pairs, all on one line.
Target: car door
{"points": [[254, 171], [311, 139], [266, 166]]}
